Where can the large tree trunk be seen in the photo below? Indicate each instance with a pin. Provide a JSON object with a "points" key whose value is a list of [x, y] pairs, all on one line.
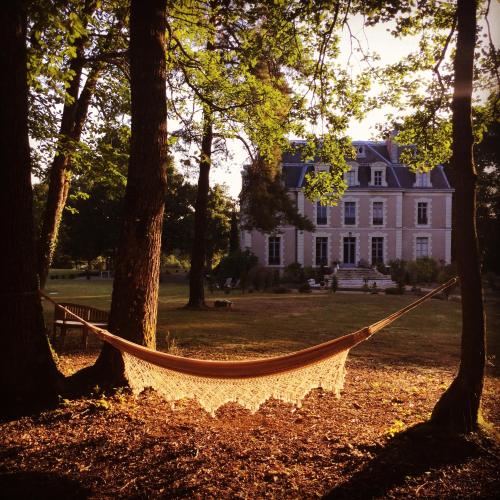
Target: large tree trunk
{"points": [[135, 290], [458, 408], [199, 251], [28, 376]]}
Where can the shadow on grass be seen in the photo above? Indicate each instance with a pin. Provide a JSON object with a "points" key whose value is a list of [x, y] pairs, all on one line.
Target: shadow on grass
{"points": [[40, 485], [408, 455]]}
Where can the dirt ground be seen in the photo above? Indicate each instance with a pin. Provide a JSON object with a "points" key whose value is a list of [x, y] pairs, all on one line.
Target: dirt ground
{"points": [[369, 443]]}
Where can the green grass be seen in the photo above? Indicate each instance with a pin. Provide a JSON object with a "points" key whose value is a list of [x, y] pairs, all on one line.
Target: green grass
{"points": [[263, 324]]}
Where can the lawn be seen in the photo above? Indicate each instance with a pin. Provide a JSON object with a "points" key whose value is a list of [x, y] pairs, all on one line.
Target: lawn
{"points": [[367, 444], [263, 324]]}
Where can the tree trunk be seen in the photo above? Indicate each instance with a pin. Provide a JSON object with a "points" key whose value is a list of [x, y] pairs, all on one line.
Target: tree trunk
{"points": [[59, 176], [135, 289], [458, 408], [73, 120], [28, 375], [198, 253]]}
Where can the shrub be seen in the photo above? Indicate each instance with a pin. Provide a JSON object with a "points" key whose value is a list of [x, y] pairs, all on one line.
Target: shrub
{"points": [[305, 288], [235, 264], [62, 262], [397, 269], [293, 273], [445, 274], [281, 289], [309, 272], [394, 291], [424, 270], [260, 277]]}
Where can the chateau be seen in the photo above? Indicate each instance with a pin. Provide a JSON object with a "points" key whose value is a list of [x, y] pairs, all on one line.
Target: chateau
{"points": [[387, 213]]}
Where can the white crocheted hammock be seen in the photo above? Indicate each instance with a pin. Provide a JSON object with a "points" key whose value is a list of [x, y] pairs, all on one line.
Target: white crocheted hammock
{"points": [[250, 383]]}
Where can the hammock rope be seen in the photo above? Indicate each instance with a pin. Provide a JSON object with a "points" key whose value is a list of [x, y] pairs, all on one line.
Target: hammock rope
{"points": [[288, 377]]}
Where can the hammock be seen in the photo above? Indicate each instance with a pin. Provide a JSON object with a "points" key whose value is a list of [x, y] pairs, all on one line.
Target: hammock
{"points": [[249, 383]]}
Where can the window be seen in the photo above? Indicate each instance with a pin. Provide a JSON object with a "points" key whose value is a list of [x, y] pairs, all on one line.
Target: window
{"points": [[377, 178], [423, 179], [321, 251], [360, 150], [350, 213], [350, 178], [378, 213], [321, 214], [422, 213], [274, 250], [422, 247], [377, 250]]}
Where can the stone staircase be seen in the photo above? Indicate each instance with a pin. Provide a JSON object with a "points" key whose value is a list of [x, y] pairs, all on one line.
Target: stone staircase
{"points": [[354, 277]]}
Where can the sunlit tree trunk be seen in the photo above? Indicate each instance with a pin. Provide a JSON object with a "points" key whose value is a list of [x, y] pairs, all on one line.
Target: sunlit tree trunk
{"points": [[135, 289], [458, 408], [73, 118], [28, 376]]}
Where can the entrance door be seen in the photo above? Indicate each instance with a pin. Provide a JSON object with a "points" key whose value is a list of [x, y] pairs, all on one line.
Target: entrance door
{"points": [[349, 250]]}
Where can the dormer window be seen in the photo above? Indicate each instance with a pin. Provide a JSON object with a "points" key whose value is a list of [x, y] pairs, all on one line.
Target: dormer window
{"points": [[360, 151], [377, 177], [351, 176], [423, 180]]}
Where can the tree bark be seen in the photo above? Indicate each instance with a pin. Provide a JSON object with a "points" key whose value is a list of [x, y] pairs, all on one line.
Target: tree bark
{"points": [[199, 251], [135, 289], [29, 378], [72, 122], [458, 408], [59, 175]]}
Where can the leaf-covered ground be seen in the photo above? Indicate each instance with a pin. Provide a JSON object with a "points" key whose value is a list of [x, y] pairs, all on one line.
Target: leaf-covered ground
{"points": [[368, 444], [352, 447]]}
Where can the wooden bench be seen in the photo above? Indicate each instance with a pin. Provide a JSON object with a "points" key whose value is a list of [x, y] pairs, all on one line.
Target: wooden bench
{"points": [[65, 322]]}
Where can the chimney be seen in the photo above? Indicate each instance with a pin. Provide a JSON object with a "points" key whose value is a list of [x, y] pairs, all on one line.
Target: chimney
{"points": [[392, 147]]}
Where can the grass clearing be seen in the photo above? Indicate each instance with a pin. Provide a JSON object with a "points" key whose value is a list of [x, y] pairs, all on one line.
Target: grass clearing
{"points": [[263, 324]]}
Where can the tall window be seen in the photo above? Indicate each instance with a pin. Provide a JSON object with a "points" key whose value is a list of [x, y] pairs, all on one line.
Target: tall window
{"points": [[274, 250], [422, 213], [377, 250], [377, 178], [321, 251], [378, 213], [350, 178], [349, 213], [321, 217], [422, 247]]}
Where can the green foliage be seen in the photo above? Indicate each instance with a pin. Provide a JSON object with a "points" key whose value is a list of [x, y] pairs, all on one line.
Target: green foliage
{"points": [[236, 264], [424, 270], [293, 273], [397, 269], [260, 277]]}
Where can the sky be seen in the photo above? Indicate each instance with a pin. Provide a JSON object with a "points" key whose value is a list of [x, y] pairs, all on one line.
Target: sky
{"points": [[389, 50]]}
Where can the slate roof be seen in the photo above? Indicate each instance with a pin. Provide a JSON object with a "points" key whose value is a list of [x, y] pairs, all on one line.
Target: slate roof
{"points": [[398, 176]]}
